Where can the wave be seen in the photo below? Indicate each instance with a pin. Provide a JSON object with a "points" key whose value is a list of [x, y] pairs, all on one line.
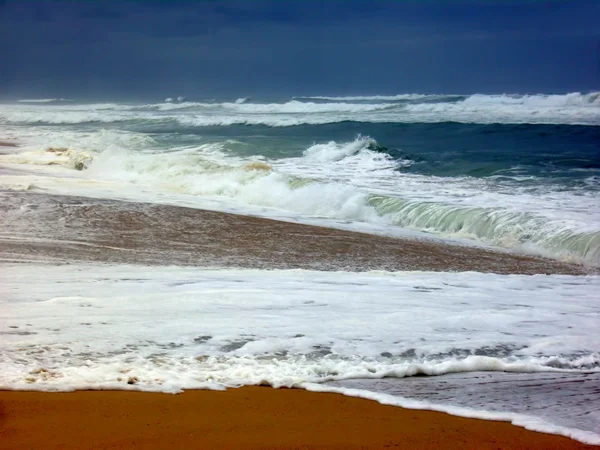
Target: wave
{"points": [[571, 109], [379, 325], [574, 99], [378, 97], [527, 421], [65, 117], [417, 113], [295, 107], [497, 226], [71, 149], [241, 106], [341, 181], [171, 106], [357, 181], [51, 156], [43, 100], [175, 99], [332, 151]]}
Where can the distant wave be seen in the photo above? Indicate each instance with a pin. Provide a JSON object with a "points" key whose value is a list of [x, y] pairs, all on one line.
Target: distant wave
{"points": [[373, 97], [570, 109], [295, 107], [533, 100], [575, 99], [171, 106], [242, 105], [43, 100], [425, 115]]}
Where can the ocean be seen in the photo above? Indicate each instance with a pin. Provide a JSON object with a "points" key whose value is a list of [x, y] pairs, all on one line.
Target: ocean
{"points": [[515, 175]]}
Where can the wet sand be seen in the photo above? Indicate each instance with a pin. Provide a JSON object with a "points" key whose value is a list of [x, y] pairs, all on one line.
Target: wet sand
{"points": [[66, 229], [246, 418]]}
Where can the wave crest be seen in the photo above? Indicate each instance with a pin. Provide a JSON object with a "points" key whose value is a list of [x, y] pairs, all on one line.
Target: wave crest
{"points": [[327, 181], [332, 151], [573, 108], [43, 100], [497, 226], [574, 99]]}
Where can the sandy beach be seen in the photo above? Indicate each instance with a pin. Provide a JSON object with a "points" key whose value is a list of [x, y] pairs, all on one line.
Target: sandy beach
{"points": [[245, 418], [68, 229], [264, 224]]}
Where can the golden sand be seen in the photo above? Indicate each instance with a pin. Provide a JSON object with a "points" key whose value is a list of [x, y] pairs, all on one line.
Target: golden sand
{"points": [[246, 418]]}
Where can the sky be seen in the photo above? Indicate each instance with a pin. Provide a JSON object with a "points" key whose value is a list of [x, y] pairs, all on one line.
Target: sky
{"points": [[216, 49]]}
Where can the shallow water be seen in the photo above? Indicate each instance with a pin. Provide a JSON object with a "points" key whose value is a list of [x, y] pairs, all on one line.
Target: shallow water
{"points": [[171, 328], [567, 399]]}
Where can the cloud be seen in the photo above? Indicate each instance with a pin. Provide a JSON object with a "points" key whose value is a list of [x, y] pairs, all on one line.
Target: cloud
{"points": [[144, 47]]}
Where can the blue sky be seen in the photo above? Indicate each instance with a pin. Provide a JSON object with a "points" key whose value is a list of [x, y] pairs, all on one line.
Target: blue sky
{"points": [[153, 49]]}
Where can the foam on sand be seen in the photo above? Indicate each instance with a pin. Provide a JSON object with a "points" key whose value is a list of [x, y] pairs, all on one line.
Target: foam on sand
{"points": [[172, 328]]}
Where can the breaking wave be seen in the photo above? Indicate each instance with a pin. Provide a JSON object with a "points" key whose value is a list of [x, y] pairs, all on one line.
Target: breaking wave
{"points": [[534, 100], [574, 99], [327, 181], [573, 108], [43, 100], [377, 97], [241, 106], [497, 226]]}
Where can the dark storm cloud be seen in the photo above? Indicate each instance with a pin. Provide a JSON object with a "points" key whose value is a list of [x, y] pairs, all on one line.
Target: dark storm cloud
{"points": [[152, 49]]}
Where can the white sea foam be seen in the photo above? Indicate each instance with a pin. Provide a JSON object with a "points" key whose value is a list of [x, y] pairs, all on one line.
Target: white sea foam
{"points": [[574, 99], [376, 97], [332, 151], [172, 328], [43, 100], [295, 107], [242, 106], [67, 116], [350, 181], [171, 106], [429, 323], [573, 108], [528, 422]]}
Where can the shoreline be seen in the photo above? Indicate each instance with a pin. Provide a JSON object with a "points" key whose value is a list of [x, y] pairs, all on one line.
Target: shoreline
{"points": [[64, 229], [58, 228], [247, 417]]}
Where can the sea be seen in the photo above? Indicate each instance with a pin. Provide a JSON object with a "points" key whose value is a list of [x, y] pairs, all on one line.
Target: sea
{"points": [[518, 174]]}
